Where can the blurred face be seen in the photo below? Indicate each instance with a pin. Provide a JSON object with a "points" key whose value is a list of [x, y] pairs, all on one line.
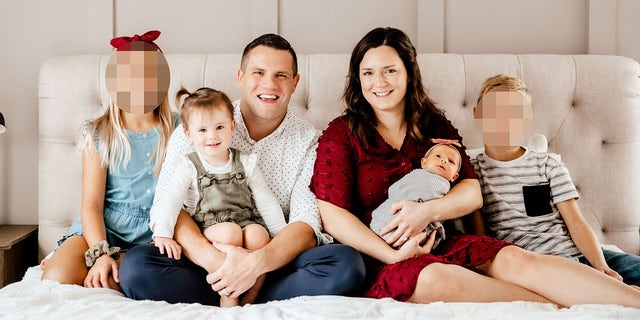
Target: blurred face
{"points": [[266, 82], [442, 160], [383, 78], [210, 131], [137, 81], [505, 118]]}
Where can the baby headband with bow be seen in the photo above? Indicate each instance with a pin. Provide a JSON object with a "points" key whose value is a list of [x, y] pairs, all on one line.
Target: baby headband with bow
{"points": [[447, 142], [122, 43]]}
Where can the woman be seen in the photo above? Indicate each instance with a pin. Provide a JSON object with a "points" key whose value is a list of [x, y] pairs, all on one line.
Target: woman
{"points": [[384, 133]]}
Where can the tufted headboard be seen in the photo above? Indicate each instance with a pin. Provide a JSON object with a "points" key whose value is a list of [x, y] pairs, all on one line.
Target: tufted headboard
{"points": [[587, 106]]}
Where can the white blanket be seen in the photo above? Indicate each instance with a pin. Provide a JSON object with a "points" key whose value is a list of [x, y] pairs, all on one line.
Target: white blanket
{"points": [[35, 299]]}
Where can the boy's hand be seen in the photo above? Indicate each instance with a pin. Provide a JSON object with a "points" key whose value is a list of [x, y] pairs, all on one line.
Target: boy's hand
{"points": [[171, 246], [610, 272]]}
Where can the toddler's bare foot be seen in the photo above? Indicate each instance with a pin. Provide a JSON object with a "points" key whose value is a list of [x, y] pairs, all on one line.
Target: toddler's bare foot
{"points": [[228, 302]]}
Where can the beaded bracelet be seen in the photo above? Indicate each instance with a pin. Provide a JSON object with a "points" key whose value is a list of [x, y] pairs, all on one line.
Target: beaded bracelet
{"points": [[100, 248]]}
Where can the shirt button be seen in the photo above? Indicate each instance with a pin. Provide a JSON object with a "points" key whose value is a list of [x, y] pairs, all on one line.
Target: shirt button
{"points": [[144, 208], [144, 135], [149, 153], [148, 190]]}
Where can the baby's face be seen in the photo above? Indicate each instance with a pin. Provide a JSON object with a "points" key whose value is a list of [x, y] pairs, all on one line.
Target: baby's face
{"points": [[444, 161], [505, 118], [137, 81]]}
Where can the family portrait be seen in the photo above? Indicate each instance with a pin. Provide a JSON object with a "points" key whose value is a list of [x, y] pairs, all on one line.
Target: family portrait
{"points": [[383, 182]]}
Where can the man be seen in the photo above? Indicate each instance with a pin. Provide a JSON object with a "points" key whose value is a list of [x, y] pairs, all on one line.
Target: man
{"points": [[285, 146]]}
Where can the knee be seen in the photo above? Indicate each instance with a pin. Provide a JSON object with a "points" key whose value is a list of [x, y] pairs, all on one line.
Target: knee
{"points": [[225, 232], [255, 236], [63, 275], [513, 260], [134, 269], [349, 271], [438, 281]]}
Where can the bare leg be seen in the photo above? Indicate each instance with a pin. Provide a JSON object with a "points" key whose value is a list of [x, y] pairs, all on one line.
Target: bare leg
{"points": [[562, 280], [255, 237], [67, 264], [194, 245], [228, 233], [452, 283]]}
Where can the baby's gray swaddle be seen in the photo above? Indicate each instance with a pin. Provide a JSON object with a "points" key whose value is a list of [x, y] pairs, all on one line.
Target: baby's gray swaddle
{"points": [[418, 185]]}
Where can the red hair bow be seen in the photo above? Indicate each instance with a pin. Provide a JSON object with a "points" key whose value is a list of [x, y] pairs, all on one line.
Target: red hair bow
{"points": [[149, 36]]}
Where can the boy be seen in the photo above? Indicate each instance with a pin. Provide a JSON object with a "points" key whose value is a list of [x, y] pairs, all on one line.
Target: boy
{"points": [[529, 198]]}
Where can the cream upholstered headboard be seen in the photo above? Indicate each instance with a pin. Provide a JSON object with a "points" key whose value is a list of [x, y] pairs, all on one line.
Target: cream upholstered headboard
{"points": [[587, 106]]}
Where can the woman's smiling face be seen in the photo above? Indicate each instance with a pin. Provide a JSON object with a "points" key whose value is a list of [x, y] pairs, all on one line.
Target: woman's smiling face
{"points": [[383, 78]]}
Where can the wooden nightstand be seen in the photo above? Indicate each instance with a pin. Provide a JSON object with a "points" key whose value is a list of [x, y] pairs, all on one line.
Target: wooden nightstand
{"points": [[18, 251]]}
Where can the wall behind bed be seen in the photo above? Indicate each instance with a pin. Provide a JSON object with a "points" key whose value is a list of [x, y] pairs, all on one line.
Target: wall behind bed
{"points": [[34, 30]]}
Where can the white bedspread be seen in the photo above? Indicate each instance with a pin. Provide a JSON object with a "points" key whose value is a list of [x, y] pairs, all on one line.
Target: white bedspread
{"points": [[35, 299]]}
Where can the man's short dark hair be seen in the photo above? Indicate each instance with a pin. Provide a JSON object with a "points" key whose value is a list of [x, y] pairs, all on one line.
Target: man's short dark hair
{"points": [[274, 41]]}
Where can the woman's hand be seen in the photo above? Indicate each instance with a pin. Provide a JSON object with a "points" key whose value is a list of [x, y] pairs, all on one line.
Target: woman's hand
{"points": [[409, 221], [172, 248], [98, 276], [412, 247]]}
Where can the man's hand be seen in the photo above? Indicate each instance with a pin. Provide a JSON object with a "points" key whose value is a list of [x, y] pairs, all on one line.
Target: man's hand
{"points": [[238, 272]]}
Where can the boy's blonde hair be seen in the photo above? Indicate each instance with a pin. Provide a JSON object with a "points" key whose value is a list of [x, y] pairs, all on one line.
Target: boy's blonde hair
{"points": [[501, 82]]}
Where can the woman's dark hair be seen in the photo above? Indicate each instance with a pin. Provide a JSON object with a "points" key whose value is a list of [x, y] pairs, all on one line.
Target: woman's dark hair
{"points": [[418, 110]]}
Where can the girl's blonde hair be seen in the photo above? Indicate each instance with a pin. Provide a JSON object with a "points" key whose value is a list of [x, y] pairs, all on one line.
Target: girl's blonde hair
{"points": [[108, 135], [501, 82], [201, 99]]}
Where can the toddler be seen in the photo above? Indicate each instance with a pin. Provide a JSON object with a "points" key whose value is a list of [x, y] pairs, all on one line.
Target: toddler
{"points": [[222, 189]]}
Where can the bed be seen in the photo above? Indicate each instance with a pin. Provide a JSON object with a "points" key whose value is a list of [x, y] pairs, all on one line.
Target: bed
{"points": [[588, 108]]}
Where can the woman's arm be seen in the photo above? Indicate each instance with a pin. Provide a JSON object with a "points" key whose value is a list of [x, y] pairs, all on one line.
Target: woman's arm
{"points": [[266, 202], [413, 217], [346, 228]]}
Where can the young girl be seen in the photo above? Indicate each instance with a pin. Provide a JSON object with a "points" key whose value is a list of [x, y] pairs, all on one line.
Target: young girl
{"points": [[121, 157], [222, 189]]}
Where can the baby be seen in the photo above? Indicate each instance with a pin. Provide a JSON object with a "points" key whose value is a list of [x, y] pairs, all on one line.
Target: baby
{"points": [[440, 166]]}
